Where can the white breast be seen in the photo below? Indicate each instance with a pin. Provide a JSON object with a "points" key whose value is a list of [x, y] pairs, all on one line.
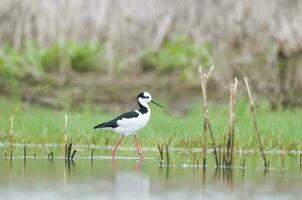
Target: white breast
{"points": [[131, 125]]}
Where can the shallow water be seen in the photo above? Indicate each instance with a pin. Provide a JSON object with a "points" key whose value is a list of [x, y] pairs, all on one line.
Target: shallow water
{"points": [[129, 178]]}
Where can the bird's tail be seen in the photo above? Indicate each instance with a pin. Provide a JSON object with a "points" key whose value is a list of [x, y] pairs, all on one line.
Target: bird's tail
{"points": [[102, 125]]}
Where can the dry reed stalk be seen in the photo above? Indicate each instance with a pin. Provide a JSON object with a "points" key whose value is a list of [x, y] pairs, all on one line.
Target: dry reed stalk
{"points": [[167, 155], [24, 149], [300, 160], [66, 136], [91, 154], [219, 155], [194, 160], [300, 156], [232, 118], [197, 163], [282, 158], [11, 135], [73, 154], [69, 148], [253, 113], [243, 156], [224, 149], [281, 151], [50, 156], [243, 162], [206, 122], [161, 154], [92, 148]]}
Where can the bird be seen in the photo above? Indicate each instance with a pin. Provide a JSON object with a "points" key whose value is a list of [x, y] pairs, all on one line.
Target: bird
{"points": [[130, 122]]}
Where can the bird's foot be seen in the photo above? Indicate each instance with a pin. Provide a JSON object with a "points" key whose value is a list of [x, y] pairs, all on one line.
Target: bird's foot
{"points": [[141, 155]]}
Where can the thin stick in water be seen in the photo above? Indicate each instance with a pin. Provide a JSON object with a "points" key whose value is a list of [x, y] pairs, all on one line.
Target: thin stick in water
{"points": [[24, 149], [253, 113], [91, 154], [167, 155], [207, 125], [243, 162], [300, 160], [92, 146], [232, 119], [11, 135], [73, 154], [66, 136], [69, 151], [161, 154], [50, 156]]}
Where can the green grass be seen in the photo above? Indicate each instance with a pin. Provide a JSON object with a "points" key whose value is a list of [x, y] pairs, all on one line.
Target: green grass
{"points": [[42, 125], [178, 54], [34, 61]]}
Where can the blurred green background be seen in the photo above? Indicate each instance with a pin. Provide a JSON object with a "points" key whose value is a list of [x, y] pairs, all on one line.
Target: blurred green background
{"points": [[91, 58]]}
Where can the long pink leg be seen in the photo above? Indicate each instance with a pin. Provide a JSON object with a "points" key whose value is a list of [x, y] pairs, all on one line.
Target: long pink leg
{"points": [[138, 148], [117, 145]]}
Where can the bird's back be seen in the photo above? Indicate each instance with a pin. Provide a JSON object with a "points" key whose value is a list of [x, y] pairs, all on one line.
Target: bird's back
{"points": [[128, 126], [127, 123]]}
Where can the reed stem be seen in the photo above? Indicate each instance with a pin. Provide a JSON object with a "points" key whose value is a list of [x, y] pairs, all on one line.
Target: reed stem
{"points": [[24, 149], [167, 155], [93, 141], [300, 160], [66, 136], [50, 156], [69, 151], [73, 154], [232, 119], [91, 154], [253, 113], [206, 122], [11, 135], [161, 154]]}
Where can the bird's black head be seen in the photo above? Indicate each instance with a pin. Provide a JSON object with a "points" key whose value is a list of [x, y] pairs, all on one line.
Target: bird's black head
{"points": [[144, 95]]}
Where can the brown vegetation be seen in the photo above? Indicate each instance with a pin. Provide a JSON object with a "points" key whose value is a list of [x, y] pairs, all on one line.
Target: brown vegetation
{"points": [[261, 38]]}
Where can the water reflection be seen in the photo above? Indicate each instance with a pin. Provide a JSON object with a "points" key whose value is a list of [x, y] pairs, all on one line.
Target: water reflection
{"points": [[133, 184], [165, 170], [24, 170], [69, 166], [127, 178]]}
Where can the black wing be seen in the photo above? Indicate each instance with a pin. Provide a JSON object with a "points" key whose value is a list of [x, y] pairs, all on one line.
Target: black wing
{"points": [[113, 123]]}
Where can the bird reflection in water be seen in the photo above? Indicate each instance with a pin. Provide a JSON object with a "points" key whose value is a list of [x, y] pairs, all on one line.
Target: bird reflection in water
{"points": [[134, 183]]}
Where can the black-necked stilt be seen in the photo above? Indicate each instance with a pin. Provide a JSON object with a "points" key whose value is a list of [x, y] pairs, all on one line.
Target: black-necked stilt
{"points": [[130, 122]]}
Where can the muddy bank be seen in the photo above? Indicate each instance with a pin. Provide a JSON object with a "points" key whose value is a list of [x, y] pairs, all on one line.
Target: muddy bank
{"points": [[111, 92]]}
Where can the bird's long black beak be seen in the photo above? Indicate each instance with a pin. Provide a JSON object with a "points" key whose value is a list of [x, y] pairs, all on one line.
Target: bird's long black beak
{"points": [[157, 104]]}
